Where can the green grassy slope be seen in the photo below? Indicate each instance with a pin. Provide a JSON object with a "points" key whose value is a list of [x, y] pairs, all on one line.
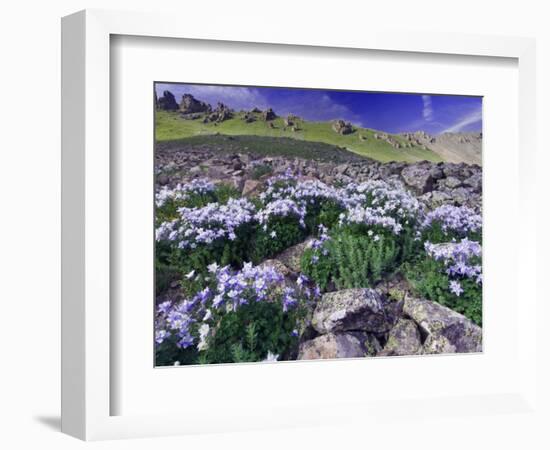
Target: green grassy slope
{"points": [[170, 126]]}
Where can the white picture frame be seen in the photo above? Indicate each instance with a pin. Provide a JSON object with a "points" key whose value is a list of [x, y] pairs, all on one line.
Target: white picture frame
{"points": [[86, 220]]}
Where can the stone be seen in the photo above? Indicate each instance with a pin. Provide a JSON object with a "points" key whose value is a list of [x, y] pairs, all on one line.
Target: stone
{"points": [[450, 182], [339, 345], [475, 182], [358, 309], [163, 179], [277, 265], [446, 330], [403, 339], [418, 177], [251, 187], [291, 256], [167, 102], [190, 105], [269, 114], [341, 127]]}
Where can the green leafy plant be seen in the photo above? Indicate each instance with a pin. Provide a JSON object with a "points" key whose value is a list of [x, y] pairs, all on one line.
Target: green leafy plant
{"points": [[429, 280]]}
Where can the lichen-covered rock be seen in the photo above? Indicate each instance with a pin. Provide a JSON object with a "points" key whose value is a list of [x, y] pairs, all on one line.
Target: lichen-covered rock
{"points": [[419, 178], [403, 339], [351, 309], [251, 187], [339, 345], [291, 256], [446, 330], [277, 265]]}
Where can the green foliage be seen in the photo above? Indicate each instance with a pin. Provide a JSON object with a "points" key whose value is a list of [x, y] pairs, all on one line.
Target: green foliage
{"points": [[250, 333], [325, 213], [224, 192], [352, 260], [261, 170], [168, 353], [288, 232], [436, 235], [430, 281]]}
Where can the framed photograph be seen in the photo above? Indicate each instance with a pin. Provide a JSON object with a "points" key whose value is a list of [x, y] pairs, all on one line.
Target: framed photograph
{"points": [[276, 243]]}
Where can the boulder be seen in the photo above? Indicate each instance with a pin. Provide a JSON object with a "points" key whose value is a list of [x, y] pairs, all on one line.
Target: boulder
{"points": [[269, 114], [342, 127], [167, 102], [475, 182], [291, 256], [418, 177], [403, 339], [251, 187], [446, 331], [339, 345], [351, 310], [277, 265], [190, 105]]}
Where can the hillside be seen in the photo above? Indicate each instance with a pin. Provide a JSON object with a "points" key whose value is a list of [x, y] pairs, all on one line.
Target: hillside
{"points": [[384, 147], [452, 147]]}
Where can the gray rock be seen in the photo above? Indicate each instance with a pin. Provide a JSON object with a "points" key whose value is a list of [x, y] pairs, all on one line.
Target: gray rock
{"points": [[190, 104], [251, 187], [339, 345], [351, 310], [419, 178], [446, 331], [291, 256], [475, 182], [277, 265], [404, 339], [450, 182], [167, 102]]}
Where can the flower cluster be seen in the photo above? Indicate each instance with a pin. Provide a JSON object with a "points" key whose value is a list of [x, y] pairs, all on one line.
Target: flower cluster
{"points": [[205, 225], [317, 245], [458, 219], [281, 208], [389, 198], [174, 320], [460, 261], [371, 217], [252, 283], [199, 186], [228, 291]]}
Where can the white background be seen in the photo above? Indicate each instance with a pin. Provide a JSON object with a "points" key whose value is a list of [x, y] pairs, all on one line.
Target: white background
{"points": [[30, 137]]}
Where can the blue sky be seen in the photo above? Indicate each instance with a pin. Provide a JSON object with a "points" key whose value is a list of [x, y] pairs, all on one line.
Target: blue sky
{"points": [[393, 113]]}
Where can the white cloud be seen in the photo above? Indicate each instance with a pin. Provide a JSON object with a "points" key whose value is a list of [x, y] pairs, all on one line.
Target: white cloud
{"points": [[469, 119], [427, 111]]}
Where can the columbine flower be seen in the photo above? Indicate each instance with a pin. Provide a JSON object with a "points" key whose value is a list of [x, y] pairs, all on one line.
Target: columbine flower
{"points": [[271, 357], [203, 334], [455, 288], [273, 234], [190, 275], [212, 268]]}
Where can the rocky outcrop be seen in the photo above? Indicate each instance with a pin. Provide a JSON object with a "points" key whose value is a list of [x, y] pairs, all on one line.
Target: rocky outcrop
{"points": [[351, 310], [190, 105], [403, 339], [421, 177], [435, 184], [269, 114], [339, 345], [167, 102], [220, 114], [291, 256], [445, 330], [341, 127]]}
